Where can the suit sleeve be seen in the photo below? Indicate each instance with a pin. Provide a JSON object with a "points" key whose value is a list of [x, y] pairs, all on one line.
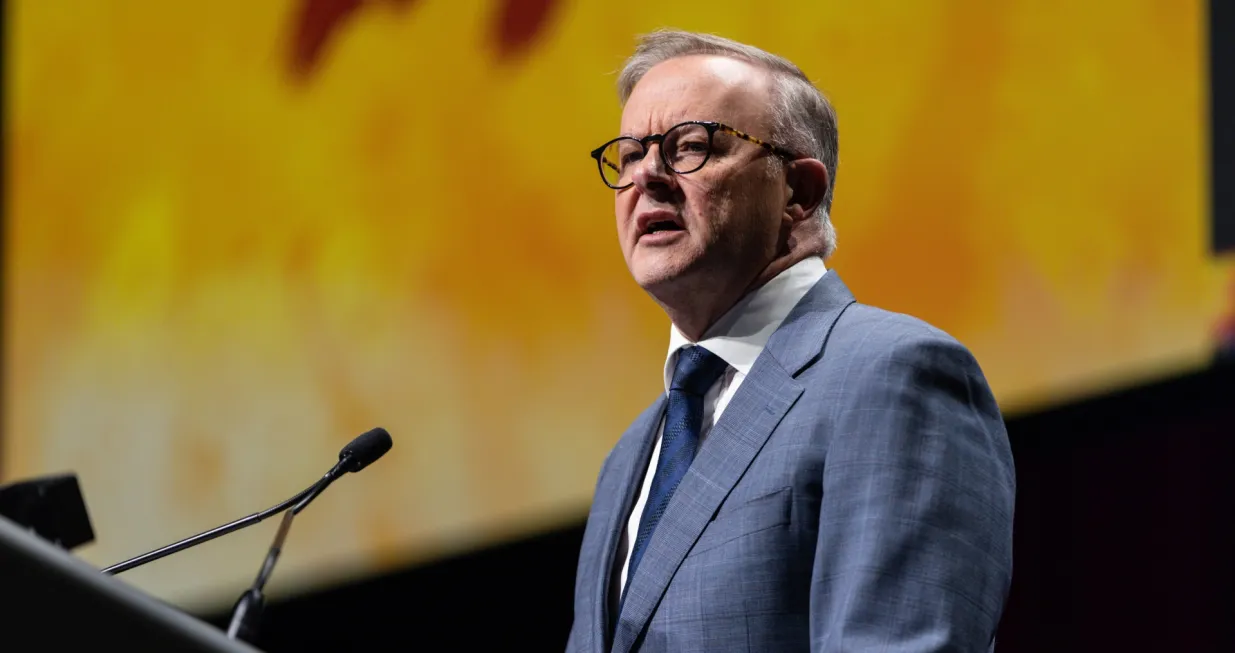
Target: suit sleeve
{"points": [[914, 551]]}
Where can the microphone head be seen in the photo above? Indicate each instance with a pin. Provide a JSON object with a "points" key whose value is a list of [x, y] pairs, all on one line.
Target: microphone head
{"points": [[366, 448]]}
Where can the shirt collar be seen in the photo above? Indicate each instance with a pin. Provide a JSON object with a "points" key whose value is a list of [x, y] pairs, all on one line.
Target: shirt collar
{"points": [[740, 335]]}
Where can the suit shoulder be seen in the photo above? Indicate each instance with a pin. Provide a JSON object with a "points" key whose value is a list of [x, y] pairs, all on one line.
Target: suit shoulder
{"points": [[873, 351], [868, 327], [638, 429], [627, 446], [873, 339]]}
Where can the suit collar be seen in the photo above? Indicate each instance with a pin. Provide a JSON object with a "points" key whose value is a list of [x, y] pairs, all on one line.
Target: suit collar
{"points": [[759, 405]]}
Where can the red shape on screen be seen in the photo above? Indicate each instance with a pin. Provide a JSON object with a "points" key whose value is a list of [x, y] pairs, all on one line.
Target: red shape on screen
{"points": [[316, 22], [518, 23]]}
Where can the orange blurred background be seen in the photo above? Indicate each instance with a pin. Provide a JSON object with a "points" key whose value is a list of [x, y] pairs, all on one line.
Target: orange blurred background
{"points": [[240, 233]]}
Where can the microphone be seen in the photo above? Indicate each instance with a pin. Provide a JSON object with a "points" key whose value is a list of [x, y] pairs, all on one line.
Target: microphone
{"points": [[358, 454], [366, 448]]}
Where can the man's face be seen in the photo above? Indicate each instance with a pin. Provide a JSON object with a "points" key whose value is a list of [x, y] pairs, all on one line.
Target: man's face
{"points": [[730, 212]]}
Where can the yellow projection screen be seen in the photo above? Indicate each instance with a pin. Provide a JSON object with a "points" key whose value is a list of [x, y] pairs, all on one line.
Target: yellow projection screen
{"points": [[239, 233]]}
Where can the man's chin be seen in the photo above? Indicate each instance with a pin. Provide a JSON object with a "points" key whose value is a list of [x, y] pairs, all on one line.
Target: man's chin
{"points": [[663, 276]]}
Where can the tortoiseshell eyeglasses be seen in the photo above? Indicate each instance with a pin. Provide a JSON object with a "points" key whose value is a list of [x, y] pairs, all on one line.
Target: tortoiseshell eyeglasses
{"points": [[684, 148]]}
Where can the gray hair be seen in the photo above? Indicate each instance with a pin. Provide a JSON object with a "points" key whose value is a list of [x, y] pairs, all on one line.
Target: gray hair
{"points": [[803, 119]]}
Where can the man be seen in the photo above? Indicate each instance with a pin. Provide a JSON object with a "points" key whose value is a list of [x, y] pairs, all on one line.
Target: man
{"points": [[819, 475]]}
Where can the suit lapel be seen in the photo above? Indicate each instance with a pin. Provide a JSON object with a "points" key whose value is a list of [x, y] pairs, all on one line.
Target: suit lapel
{"points": [[632, 458], [767, 393]]}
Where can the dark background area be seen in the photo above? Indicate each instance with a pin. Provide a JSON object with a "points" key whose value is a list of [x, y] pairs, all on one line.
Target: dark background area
{"points": [[1123, 542]]}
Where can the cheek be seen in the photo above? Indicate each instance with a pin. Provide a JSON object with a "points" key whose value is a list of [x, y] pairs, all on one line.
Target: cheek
{"points": [[719, 203], [722, 194], [743, 211], [757, 200], [701, 201]]}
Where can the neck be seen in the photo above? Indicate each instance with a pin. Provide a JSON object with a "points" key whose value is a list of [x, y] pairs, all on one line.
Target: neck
{"points": [[696, 302], [699, 308]]}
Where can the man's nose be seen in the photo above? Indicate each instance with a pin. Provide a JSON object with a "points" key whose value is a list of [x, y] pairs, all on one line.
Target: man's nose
{"points": [[651, 174]]}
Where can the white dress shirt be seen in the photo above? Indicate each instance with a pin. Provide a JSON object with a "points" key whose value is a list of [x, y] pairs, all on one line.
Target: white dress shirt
{"points": [[738, 337]]}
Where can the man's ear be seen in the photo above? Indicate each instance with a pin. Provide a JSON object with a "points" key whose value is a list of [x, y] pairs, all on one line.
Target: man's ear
{"points": [[808, 182]]}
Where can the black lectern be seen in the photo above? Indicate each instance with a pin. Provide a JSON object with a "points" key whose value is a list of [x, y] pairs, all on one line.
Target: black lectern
{"points": [[51, 600]]}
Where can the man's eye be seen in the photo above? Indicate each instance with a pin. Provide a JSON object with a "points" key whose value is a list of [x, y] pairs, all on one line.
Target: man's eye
{"points": [[693, 147], [630, 157]]}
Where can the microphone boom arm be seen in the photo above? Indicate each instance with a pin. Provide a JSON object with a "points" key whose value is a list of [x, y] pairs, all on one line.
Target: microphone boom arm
{"points": [[358, 454], [208, 535]]}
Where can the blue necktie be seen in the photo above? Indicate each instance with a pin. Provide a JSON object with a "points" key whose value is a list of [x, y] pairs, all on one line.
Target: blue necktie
{"points": [[697, 369]]}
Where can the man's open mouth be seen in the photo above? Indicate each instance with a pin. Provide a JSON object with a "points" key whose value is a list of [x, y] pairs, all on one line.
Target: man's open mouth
{"points": [[664, 225]]}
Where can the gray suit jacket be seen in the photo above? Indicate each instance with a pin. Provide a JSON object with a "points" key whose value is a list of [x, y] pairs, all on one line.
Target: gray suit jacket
{"points": [[855, 495]]}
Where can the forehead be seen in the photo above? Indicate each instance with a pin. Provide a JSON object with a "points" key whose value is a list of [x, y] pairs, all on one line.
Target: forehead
{"points": [[699, 87]]}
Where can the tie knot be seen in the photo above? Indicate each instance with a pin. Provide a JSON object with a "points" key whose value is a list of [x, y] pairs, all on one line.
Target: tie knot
{"points": [[697, 369]]}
